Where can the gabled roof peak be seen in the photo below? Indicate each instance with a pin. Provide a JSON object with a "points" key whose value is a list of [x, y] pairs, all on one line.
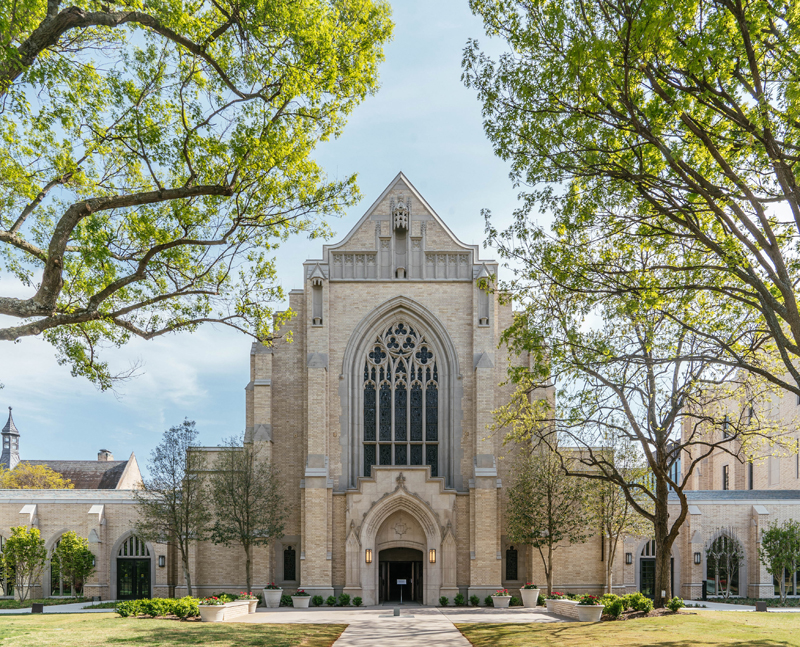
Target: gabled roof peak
{"points": [[10, 427]]}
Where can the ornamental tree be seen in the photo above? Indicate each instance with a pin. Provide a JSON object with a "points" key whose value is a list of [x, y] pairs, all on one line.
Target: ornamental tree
{"points": [[544, 507], [249, 505], [724, 558], [156, 153], [74, 560], [33, 477], [669, 125], [24, 556], [779, 551], [173, 499]]}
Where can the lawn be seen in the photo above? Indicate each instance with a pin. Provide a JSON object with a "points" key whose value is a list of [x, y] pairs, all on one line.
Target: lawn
{"points": [[94, 629], [684, 630]]}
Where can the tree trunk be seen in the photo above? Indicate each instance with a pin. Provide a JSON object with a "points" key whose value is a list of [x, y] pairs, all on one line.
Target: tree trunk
{"points": [[663, 547], [549, 568], [609, 568], [249, 567], [187, 576]]}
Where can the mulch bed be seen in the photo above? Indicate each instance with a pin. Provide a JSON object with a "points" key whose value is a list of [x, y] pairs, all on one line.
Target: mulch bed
{"points": [[655, 613]]}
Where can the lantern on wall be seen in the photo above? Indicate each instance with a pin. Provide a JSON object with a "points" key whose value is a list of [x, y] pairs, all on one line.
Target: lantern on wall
{"points": [[698, 558], [629, 558], [162, 561], [432, 555], [368, 556]]}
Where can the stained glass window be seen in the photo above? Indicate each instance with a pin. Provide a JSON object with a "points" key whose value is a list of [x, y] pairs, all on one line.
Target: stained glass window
{"points": [[405, 425]]}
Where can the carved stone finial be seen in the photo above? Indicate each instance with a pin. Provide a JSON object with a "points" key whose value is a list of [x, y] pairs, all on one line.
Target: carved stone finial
{"points": [[401, 480], [400, 213]]}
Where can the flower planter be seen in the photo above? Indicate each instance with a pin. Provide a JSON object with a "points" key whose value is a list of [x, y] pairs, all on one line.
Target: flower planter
{"points": [[590, 612], [211, 613], [272, 598], [501, 601], [550, 605], [301, 601], [530, 597], [252, 606]]}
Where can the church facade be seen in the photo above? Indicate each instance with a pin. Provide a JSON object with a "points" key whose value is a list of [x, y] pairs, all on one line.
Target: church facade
{"points": [[377, 413]]}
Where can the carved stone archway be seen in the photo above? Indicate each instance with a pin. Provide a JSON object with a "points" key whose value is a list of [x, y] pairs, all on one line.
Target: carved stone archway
{"points": [[417, 511]]}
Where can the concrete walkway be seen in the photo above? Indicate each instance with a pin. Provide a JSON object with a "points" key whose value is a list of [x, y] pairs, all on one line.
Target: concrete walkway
{"points": [[722, 606], [369, 626], [76, 607]]}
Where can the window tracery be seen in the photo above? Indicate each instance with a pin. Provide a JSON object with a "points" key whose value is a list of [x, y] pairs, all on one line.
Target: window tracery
{"points": [[401, 400]]}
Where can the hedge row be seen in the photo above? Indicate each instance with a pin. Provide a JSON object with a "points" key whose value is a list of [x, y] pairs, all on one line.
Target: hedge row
{"points": [[182, 608]]}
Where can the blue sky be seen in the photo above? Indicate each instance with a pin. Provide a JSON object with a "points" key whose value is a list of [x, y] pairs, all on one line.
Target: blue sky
{"points": [[422, 121]]}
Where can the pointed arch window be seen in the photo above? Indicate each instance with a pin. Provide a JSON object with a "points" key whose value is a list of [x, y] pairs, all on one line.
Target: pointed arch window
{"points": [[401, 400]]}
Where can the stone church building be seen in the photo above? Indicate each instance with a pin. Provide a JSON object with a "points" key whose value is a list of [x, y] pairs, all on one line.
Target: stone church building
{"points": [[377, 416]]}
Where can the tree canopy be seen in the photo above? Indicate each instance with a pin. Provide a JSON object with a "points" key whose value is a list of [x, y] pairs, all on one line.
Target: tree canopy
{"points": [[33, 477], [665, 125], [155, 153]]}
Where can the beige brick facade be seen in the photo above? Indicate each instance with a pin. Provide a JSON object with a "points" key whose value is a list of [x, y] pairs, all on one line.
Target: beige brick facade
{"points": [[351, 526]]}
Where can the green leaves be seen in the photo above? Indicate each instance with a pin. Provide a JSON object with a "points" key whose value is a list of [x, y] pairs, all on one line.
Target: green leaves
{"points": [[158, 151]]}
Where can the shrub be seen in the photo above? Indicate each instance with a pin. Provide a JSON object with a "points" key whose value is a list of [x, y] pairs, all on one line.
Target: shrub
{"points": [[128, 608], [615, 608], [317, 600], [331, 601], [183, 608], [474, 600], [675, 603], [488, 601], [186, 607], [357, 601], [459, 600], [286, 600], [515, 601], [444, 600], [344, 600], [638, 602]]}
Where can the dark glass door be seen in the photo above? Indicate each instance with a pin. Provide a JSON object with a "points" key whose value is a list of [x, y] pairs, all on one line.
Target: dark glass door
{"points": [[133, 579], [647, 576]]}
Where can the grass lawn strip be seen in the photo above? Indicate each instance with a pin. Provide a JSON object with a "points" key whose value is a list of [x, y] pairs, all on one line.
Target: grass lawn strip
{"points": [[95, 630], [687, 629]]}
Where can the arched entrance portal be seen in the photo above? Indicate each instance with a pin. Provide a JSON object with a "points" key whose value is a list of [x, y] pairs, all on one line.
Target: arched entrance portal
{"points": [[400, 575]]}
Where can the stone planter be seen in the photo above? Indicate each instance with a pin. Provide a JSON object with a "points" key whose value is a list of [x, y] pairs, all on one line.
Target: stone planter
{"points": [[550, 604], [212, 613], [252, 604], [301, 601], [590, 612], [272, 598], [530, 597], [501, 601]]}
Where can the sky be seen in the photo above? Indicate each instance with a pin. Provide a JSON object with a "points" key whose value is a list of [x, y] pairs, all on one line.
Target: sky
{"points": [[422, 121]]}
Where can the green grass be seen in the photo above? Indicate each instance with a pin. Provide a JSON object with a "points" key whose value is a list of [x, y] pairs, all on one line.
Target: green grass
{"points": [[771, 602], [688, 629], [101, 629], [16, 604]]}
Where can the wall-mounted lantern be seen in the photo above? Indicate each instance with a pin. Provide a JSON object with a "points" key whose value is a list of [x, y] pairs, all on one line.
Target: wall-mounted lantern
{"points": [[432, 555], [162, 561], [698, 558], [629, 558], [368, 556]]}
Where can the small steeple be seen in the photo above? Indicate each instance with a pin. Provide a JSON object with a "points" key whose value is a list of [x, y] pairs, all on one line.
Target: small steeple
{"points": [[10, 456]]}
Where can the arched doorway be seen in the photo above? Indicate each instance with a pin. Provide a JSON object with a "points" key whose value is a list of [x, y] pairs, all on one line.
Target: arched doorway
{"points": [[401, 575], [133, 569]]}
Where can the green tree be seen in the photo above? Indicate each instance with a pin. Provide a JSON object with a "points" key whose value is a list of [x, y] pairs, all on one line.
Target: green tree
{"points": [[156, 153], [33, 477], [173, 501], [779, 551], [626, 371], [249, 506], [544, 507], [672, 125], [24, 556], [74, 560]]}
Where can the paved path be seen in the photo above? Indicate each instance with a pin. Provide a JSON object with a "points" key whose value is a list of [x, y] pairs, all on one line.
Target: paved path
{"points": [[76, 607], [429, 625], [722, 606]]}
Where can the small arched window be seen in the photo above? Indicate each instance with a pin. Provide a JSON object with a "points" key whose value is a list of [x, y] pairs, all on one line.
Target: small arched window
{"points": [[133, 547], [511, 563], [289, 564]]}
